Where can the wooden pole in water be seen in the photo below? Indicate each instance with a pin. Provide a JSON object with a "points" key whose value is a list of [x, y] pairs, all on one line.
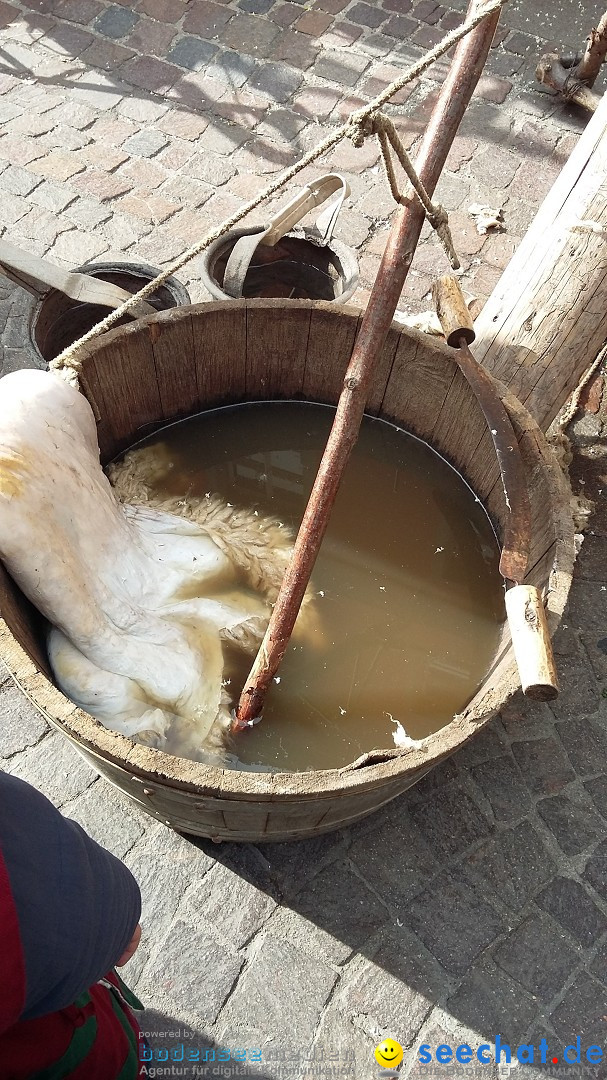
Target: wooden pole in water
{"points": [[546, 320], [465, 71]]}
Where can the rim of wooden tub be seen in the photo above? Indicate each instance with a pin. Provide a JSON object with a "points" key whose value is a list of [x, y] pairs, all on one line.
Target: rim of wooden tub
{"points": [[18, 644]]}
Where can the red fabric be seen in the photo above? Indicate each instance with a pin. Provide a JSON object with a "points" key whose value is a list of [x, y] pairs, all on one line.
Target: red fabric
{"points": [[12, 970], [33, 1045]]}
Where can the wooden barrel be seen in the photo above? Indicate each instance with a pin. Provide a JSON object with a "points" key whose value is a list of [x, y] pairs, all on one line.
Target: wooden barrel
{"points": [[185, 360]]}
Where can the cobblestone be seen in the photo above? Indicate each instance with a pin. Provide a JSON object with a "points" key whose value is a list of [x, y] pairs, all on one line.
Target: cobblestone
{"points": [[264, 996], [251, 35], [399, 978], [544, 765], [234, 907], [454, 922], [397, 882], [87, 213], [106, 55], [450, 822], [351, 924], [232, 68], [151, 37], [295, 49], [596, 870], [208, 19], [342, 68], [151, 74], [503, 787], [102, 186], [74, 248], [513, 867], [275, 82], [492, 1001], [582, 1010], [529, 955], [573, 909], [95, 811], [52, 767], [174, 974], [21, 727], [145, 144], [597, 790], [116, 22], [19, 181], [192, 53]]}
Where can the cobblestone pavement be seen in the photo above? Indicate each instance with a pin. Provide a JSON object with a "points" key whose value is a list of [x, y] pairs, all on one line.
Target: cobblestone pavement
{"points": [[476, 904]]}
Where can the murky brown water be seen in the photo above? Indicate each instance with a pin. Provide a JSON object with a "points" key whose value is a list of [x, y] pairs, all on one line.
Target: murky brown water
{"points": [[409, 595]]}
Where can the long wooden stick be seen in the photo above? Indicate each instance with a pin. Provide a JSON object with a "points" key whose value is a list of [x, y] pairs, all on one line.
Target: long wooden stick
{"points": [[450, 107]]}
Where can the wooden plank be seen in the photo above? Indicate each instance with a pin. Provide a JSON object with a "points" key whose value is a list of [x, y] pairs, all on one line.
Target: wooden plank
{"points": [[172, 340], [25, 622], [383, 369], [547, 317], [126, 379], [277, 343], [219, 333], [495, 505], [483, 471], [330, 343], [92, 389], [459, 426], [418, 384]]}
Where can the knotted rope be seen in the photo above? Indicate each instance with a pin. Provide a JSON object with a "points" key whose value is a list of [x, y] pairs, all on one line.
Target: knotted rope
{"points": [[69, 362], [387, 136]]}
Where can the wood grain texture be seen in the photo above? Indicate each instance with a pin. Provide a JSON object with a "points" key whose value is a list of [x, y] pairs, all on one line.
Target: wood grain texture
{"points": [[172, 340], [418, 384], [547, 317], [330, 341], [125, 375], [383, 370], [92, 389], [220, 345], [277, 343], [459, 429], [25, 622]]}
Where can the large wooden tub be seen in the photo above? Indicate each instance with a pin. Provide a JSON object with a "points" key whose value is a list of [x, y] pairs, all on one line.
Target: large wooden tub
{"points": [[187, 359]]}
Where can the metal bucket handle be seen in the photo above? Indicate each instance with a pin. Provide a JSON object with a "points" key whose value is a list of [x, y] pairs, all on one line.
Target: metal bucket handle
{"points": [[313, 194]]}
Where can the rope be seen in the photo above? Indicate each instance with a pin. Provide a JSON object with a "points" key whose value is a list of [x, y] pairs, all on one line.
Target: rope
{"points": [[572, 86], [69, 361], [387, 136]]}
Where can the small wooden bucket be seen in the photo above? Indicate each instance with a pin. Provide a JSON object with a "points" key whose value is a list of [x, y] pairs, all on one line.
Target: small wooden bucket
{"points": [[184, 360]]}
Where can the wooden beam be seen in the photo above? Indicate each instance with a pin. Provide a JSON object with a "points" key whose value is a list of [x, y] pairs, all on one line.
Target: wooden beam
{"points": [[546, 319]]}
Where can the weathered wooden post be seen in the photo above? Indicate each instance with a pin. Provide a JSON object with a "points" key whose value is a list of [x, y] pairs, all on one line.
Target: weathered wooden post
{"points": [[546, 319]]}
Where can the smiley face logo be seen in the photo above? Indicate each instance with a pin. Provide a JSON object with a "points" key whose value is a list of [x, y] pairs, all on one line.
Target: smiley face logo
{"points": [[389, 1054]]}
